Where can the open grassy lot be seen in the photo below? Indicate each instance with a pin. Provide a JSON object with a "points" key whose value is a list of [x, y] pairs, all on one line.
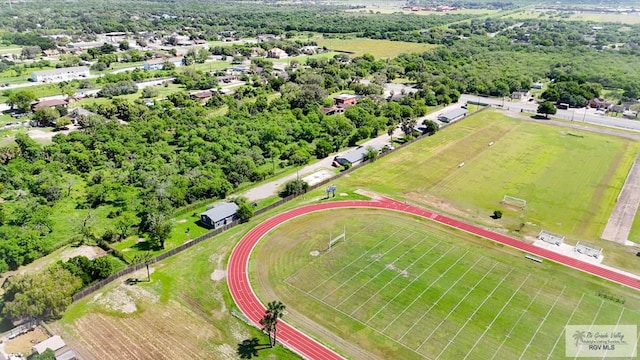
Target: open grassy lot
{"points": [[569, 178], [183, 313], [377, 48], [405, 288]]}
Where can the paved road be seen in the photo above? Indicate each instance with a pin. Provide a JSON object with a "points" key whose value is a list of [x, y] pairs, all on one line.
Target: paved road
{"points": [[248, 302], [577, 115], [271, 188]]}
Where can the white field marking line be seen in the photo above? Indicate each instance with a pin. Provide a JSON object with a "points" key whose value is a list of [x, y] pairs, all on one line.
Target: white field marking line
{"points": [[565, 326], [519, 318], [635, 349], [591, 326], [392, 280], [409, 284], [294, 275], [356, 259], [542, 322], [427, 288], [365, 268], [486, 298], [441, 296], [458, 305], [504, 306], [382, 271], [615, 329], [359, 321]]}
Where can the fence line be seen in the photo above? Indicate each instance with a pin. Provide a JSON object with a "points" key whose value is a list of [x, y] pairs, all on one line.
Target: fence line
{"points": [[133, 268]]}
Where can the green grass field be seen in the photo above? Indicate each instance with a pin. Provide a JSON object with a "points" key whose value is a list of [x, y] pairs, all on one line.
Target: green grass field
{"points": [[377, 48], [405, 288], [569, 178]]}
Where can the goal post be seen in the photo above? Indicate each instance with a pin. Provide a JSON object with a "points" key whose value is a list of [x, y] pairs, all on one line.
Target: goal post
{"points": [[514, 201], [342, 236]]}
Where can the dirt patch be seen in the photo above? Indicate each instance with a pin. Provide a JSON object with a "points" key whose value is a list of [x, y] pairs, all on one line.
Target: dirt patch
{"points": [[23, 343], [90, 252], [123, 298], [170, 331], [218, 275], [367, 193]]}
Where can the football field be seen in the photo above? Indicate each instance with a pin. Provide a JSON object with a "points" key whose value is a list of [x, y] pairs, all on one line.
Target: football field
{"points": [[569, 178], [403, 287]]}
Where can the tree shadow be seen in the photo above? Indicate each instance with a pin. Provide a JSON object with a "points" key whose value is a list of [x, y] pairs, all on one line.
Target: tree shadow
{"points": [[145, 246], [248, 348]]}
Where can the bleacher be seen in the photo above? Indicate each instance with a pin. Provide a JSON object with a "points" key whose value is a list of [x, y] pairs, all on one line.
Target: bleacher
{"points": [[550, 238], [588, 249]]}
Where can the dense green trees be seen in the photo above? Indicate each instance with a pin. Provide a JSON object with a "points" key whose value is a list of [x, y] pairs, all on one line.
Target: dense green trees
{"points": [[547, 108], [40, 295]]}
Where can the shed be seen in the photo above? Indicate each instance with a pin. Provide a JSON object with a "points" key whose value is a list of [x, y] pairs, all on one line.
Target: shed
{"points": [[67, 355], [353, 157], [218, 215], [452, 115], [54, 343]]}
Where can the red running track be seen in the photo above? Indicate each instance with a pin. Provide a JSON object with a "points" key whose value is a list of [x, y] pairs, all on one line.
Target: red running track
{"points": [[250, 305]]}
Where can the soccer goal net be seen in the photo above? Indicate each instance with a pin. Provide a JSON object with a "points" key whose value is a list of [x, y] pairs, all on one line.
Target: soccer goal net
{"points": [[334, 239], [514, 201]]}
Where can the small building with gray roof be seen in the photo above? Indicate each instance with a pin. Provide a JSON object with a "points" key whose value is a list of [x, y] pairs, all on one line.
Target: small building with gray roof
{"points": [[219, 215], [452, 115]]}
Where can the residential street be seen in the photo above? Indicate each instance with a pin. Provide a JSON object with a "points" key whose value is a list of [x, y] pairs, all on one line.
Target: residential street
{"points": [[271, 188]]}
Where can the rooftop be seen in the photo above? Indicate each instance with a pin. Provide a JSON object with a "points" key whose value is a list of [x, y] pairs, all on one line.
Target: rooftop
{"points": [[221, 211], [452, 114], [61, 71], [54, 343]]}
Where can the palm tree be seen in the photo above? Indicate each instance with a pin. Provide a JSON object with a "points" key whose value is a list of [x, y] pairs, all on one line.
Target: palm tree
{"points": [[274, 311], [267, 323], [578, 336]]}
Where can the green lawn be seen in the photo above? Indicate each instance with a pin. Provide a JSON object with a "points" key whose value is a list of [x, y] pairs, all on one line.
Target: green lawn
{"points": [[377, 48], [190, 310], [405, 288], [570, 182]]}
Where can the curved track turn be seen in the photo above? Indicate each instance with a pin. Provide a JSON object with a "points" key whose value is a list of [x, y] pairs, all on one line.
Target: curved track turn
{"points": [[250, 305]]}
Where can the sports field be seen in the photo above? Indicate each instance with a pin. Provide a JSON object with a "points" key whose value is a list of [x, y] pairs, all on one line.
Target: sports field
{"points": [[569, 178], [406, 288], [377, 48]]}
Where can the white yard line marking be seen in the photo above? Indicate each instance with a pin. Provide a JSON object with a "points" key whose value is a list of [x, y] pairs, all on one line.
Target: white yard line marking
{"points": [[384, 268], [356, 259], [409, 284], [366, 267], [427, 288], [442, 296], [392, 280], [614, 329], [565, 326], [542, 323], [470, 316], [359, 321], [591, 326], [365, 227], [496, 317], [518, 321]]}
